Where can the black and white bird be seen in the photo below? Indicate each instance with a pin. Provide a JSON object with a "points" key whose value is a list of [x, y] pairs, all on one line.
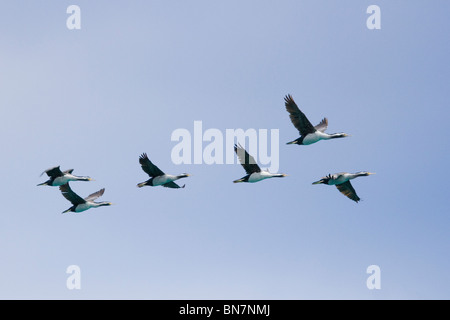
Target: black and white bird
{"points": [[309, 134], [58, 177], [342, 182], [80, 204], [254, 172], [157, 177]]}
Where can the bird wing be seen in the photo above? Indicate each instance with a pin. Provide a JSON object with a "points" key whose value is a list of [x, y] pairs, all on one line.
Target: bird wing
{"points": [[53, 172], [298, 118], [172, 185], [323, 125], [149, 167], [95, 195], [347, 189], [68, 171], [70, 195], [246, 160]]}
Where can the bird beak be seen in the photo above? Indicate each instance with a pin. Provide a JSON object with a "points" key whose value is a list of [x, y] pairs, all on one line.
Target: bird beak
{"points": [[284, 175], [90, 179], [292, 142], [317, 182], [369, 173]]}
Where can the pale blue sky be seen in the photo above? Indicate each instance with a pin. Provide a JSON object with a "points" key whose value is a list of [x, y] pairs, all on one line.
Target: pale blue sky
{"points": [[95, 99]]}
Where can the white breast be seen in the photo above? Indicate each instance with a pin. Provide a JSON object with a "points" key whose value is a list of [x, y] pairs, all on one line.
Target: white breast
{"points": [[258, 176], [157, 181], [59, 181], [312, 138], [316, 136], [83, 207], [342, 178]]}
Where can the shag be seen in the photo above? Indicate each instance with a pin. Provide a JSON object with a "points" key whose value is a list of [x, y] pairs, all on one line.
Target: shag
{"points": [[254, 172], [58, 177], [157, 177], [309, 134], [80, 204], [342, 182]]}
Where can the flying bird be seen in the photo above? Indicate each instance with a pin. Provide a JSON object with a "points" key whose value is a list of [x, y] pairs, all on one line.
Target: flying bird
{"points": [[80, 204], [309, 134], [342, 182], [254, 172], [157, 177], [58, 177]]}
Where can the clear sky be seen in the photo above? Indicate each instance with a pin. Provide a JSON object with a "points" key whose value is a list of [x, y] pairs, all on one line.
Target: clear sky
{"points": [[94, 99]]}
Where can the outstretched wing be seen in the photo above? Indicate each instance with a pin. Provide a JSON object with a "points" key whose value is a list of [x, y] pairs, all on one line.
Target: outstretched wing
{"points": [[246, 160], [53, 172], [95, 195], [323, 125], [172, 185], [347, 190], [70, 195], [149, 167], [298, 118]]}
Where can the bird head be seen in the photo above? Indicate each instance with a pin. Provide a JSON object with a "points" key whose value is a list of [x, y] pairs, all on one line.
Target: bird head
{"points": [[105, 203], [365, 173]]}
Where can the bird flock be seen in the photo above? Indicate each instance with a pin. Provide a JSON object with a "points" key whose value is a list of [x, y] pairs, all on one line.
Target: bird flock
{"points": [[309, 134]]}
